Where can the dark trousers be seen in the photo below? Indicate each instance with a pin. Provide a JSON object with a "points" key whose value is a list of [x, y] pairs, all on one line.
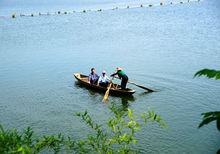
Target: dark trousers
{"points": [[94, 81], [103, 84], [124, 81]]}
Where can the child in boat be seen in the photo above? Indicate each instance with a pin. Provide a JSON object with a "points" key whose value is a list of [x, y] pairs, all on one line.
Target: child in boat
{"points": [[103, 79], [121, 74], [93, 77]]}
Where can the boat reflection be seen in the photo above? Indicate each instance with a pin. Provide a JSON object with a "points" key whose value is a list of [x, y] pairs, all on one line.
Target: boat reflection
{"points": [[125, 100]]}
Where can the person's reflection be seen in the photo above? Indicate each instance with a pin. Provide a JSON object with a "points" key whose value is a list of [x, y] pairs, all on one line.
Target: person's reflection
{"points": [[124, 102], [123, 106]]}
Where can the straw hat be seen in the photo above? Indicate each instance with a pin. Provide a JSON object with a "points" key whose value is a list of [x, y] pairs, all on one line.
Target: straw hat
{"points": [[118, 68]]}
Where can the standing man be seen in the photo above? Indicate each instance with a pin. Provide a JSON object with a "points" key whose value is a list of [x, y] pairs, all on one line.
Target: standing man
{"points": [[121, 74]]}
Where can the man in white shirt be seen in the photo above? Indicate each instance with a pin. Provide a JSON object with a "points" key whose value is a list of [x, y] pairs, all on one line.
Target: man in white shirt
{"points": [[103, 79]]}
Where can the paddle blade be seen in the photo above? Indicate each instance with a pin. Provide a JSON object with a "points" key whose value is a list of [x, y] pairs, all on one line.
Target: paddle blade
{"points": [[105, 99], [150, 90], [140, 86]]}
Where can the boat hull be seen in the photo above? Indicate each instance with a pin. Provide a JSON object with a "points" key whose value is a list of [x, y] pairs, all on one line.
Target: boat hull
{"points": [[116, 91]]}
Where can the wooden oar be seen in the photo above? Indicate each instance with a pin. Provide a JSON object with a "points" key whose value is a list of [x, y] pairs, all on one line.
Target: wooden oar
{"points": [[140, 86], [105, 99]]}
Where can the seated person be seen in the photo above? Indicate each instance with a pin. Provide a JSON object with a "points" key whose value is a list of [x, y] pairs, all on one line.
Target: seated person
{"points": [[103, 80], [93, 77]]}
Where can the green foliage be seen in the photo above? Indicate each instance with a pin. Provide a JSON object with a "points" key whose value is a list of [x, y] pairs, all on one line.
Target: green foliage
{"points": [[11, 141], [153, 117], [209, 73], [118, 136], [50, 142], [209, 117]]}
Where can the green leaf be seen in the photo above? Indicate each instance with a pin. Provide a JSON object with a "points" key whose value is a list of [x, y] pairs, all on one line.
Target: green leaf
{"points": [[130, 113], [209, 117], [134, 141], [20, 149], [208, 73], [78, 114], [206, 121]]}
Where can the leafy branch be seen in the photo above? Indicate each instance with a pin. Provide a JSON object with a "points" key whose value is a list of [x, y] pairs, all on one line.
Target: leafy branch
{"points": [[210, 73], [117, 136], [209, 117]]}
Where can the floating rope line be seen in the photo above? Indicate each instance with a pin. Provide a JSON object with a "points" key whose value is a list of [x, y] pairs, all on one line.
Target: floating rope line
{"points": [[99, 10]]}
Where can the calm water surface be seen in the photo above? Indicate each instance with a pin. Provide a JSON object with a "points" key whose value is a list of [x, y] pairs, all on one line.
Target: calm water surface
{"points": [[160, 47]]}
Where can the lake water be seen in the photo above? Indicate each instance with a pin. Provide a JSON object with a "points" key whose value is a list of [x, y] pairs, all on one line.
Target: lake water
{"points": [[161, 47]]}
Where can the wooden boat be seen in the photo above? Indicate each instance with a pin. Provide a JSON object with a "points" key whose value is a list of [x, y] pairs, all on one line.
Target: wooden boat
{"points": [[115, 89]]}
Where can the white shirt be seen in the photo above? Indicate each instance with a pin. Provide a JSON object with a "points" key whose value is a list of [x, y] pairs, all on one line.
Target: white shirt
{"points": [[103, 78]]}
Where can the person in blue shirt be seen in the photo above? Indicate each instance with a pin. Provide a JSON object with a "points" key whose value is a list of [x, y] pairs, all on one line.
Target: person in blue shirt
{"points": [[93, 77]]}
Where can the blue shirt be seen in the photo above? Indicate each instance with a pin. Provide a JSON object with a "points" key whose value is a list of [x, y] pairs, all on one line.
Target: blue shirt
{"points": [[93, 77]]}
